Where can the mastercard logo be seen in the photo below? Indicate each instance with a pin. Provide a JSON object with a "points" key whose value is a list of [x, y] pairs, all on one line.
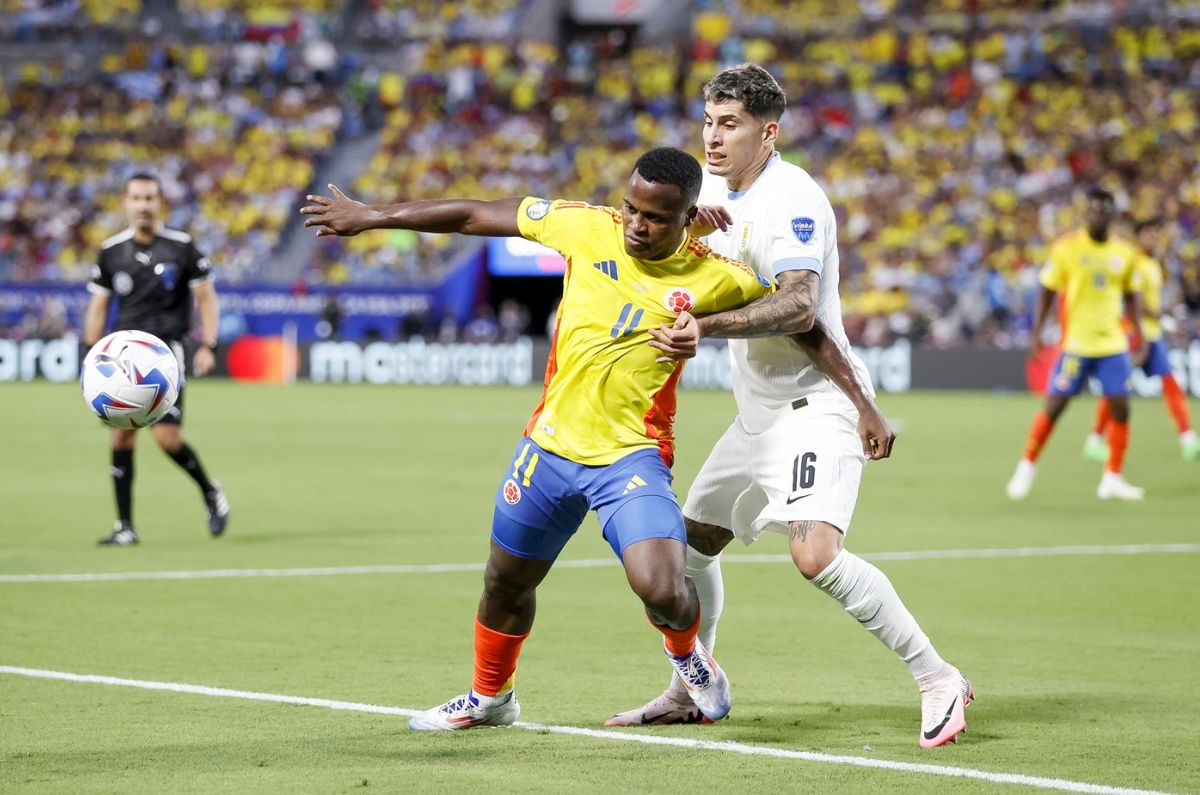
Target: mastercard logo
{"points": [[262, 359]]}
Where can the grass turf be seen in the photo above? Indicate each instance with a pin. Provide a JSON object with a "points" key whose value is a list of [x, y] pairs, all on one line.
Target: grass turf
{"points": [[1084, 665]]}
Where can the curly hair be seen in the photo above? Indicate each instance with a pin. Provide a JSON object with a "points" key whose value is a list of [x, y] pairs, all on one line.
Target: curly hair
{"points": [[670, 166], [760, 94]]}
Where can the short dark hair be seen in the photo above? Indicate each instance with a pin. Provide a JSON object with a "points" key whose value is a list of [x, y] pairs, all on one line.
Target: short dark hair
{"points": [[1099, 194], [143, 176], [670, 166], [759, 92], [1146, 223]]}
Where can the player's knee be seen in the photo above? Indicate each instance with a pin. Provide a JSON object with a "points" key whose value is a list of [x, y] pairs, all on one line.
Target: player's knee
{"points": [[661, 596], [506, 587], [814, 545], [707, 539], [1119, 409]]}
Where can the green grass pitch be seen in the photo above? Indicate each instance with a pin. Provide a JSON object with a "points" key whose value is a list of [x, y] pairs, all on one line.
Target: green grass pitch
{"points": [[1086, 667]]}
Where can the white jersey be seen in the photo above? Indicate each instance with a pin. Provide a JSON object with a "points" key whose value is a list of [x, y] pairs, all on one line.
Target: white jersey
{"points": [[782, 222]]}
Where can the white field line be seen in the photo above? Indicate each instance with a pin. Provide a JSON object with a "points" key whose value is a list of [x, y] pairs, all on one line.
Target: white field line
{"points": [[1061, 785], [440, 568]]}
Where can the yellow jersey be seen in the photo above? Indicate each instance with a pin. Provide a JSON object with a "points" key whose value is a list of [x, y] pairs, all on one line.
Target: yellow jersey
{"points": [[1152, 286], [1092, 279], [604, 395]]}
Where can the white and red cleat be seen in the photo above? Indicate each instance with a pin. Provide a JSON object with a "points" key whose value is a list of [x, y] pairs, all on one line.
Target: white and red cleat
{"points": [[944, 700], [467, 712], [706, 683], [668, 709]]}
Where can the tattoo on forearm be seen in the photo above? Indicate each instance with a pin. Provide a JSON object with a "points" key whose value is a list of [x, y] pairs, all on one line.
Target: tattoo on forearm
{"points": [[786, 311], [800, 530]]}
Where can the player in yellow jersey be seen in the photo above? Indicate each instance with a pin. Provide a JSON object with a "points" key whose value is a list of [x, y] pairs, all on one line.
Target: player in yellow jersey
{"points": [[1095, 275], [601, 437], [1156, 363]]}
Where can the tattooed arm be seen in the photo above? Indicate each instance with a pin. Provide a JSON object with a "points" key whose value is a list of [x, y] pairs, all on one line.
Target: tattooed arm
{"points": [[789, 310]]}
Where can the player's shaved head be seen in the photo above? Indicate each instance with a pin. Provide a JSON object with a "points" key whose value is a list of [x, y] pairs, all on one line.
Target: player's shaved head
{"points": [[754, 87]]}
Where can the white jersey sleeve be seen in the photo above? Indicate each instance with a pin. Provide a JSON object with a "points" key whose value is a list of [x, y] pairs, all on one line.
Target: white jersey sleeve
{"points": [[802, 230]]}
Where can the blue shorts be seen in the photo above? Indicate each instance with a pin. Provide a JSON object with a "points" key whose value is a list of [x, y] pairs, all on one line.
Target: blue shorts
{"points": [[1071, 371], [1157, 362], [544, 498]]}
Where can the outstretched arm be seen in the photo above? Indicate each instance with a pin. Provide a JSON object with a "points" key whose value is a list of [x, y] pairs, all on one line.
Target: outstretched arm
{"points": [[874, 430], [789, 310], [344, 216]]}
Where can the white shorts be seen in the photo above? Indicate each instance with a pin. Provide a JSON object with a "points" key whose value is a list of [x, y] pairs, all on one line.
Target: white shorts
{"points": [[805, 467]]}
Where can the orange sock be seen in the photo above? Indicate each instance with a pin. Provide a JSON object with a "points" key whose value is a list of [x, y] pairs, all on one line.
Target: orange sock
{"points": [[1118, 440], [680, 642], [495, 660], [1039, 432], [1102, 417], [1176, 403]]}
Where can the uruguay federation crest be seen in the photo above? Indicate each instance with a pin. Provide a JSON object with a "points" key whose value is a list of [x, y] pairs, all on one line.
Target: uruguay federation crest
{"points": [[803, 228], [744, 232]]}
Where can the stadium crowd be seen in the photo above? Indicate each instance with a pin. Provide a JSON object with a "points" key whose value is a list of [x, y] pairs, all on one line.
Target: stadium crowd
{"points": [[233, 133], [953, 147]]}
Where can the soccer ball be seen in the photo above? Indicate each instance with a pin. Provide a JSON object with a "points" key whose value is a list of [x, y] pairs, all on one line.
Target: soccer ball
{"points": [[130, 379]]}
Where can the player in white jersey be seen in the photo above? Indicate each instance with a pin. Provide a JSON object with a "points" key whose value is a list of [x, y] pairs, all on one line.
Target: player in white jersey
{"points": [[807, 423]]}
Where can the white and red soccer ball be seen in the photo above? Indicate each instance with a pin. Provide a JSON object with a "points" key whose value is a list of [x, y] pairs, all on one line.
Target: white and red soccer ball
{"points": [[679, 299], [130, 379]]}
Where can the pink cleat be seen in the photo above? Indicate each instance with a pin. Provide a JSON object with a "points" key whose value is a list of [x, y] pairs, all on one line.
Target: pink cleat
{"points": [[944, 700]]}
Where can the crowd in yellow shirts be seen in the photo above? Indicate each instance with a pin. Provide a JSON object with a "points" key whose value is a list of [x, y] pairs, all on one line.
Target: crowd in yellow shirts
{"points": [[951, 143]]}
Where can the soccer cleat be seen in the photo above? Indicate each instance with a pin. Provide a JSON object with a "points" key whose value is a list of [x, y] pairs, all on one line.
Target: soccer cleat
{"points": [[668, 708], [1114, 487], [944, 700], [1022, 480], [1095, 448], [465, 712], [217, 508], [706, 683], [1189, 446], [123, 535]]}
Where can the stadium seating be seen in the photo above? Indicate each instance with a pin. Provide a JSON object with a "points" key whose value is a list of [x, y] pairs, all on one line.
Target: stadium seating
{"points": [[234, 160], [952, 149]]}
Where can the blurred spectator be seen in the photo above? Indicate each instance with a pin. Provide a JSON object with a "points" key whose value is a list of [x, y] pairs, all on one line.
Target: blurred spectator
{"points": [[329, 326], [513, 319], [482, 327]]}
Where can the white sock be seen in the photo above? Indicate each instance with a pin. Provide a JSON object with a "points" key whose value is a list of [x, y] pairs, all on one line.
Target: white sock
{"points": [[705, 574], [866, 594], [1187, 437]]}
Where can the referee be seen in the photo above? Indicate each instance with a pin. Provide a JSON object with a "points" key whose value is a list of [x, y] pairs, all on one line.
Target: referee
{"points": [[154, 272]]}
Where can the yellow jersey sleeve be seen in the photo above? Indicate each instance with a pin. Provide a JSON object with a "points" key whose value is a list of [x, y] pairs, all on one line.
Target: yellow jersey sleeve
{"points": [[736, 285], [1053, 275], [557, 223], [1133, 281]]}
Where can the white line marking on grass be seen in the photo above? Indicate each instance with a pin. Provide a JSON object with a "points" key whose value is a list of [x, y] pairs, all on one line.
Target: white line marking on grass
{"points": [[1062, 785], [441, 568]]}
